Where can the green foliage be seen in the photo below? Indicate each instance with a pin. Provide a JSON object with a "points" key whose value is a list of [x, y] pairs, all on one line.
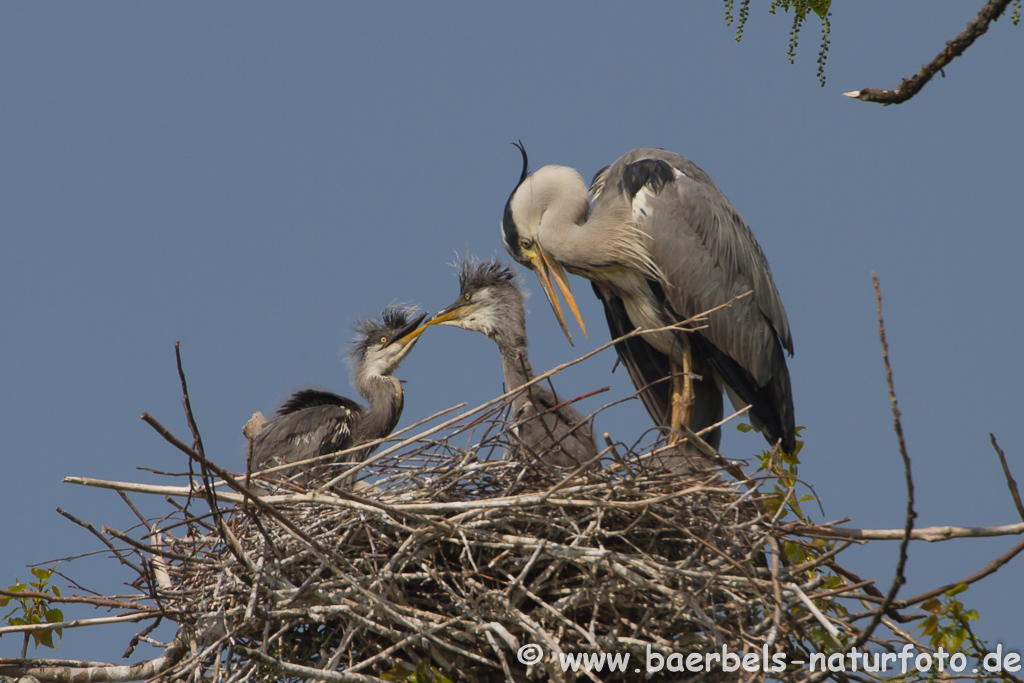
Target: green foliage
{"points": [[801, 10], [947, 626], [35, 610], [782, 469], [424, 673], [1015, 17]]}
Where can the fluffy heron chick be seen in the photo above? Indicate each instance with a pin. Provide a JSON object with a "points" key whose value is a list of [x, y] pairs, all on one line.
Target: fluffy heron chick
{"points": [[490, 302], [313, 423]]}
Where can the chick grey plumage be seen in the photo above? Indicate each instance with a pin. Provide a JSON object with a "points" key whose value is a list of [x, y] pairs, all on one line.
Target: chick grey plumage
{"points": [[491, 302], [662, 244], [313, 423]]}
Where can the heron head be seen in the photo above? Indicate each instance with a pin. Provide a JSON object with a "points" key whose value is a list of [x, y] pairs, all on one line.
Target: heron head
{"points": [[489, 298], [383, 343], [539, 203]]}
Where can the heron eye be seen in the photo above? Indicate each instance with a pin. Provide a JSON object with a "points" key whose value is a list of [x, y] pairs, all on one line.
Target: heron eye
{"points": [[468, 297], [526, 243], [383, 340]]}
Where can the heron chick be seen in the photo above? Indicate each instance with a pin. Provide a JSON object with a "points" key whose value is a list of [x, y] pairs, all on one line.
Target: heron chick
{"points": [[546, 430], [662, 245], [313, 423]]}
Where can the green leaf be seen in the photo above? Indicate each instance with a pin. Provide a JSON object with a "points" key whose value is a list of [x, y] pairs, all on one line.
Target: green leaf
{"points": [[17, 621], [42, 574], [932, 605], [820, 7], [54, 616], [744, 427], [956, 590], [45, 638]]}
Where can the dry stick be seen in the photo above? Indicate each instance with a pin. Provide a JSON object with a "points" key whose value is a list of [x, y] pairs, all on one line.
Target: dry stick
{"points": [[990, 568], [102, 538], [909, 87], [94, 671], [1009, 477], [932, 534], [96, 602], [121, 536], [78, 623], [899, 579]]}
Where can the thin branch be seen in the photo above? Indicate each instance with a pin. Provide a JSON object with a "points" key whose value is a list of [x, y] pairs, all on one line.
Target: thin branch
{"points": [[932, 534], [1010, 482], [60, 672], [908, 527], [990, 568], [95, 602], [909, 87]]}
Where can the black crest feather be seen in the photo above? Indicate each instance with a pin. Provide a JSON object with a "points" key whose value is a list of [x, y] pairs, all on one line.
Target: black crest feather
{"points": [[509, 231], [474, 276]]}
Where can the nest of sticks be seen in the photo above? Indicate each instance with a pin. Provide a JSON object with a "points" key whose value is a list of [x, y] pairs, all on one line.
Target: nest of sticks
{"points": [[466, 561], [460, 558]]}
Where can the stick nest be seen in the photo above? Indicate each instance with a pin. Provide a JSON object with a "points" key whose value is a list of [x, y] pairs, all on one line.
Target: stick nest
{"points": [[467, 561]]}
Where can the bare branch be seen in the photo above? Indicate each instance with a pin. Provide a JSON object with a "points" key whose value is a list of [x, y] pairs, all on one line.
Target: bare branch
{"points": [[909, 87], [1014, 492]]}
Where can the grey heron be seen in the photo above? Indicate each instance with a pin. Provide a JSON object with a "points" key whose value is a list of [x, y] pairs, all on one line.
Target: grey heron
{"points": [[661, 244], [313, 423], [491, 302]]}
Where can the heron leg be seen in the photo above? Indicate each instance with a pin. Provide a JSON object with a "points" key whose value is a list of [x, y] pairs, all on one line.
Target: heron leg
{"points": [[683, 397]]}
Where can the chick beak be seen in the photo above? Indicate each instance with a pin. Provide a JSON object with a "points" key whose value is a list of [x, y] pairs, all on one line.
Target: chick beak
{"points": [[453, 312], [548, 269], [411, 332]]}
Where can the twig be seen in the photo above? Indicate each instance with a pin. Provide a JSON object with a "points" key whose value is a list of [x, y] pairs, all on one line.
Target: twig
{"points": [[899, 579], [909, 87], [990, 568], [932, 534], [1010, 482]]}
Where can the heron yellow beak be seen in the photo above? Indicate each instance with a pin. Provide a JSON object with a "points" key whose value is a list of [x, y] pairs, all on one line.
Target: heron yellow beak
{"points": [[549, 270], [453, 312], [411, 333]]}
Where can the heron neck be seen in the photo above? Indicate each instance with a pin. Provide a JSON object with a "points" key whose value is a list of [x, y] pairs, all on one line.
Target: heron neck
{"points": [[605, 239], [386, 399]]}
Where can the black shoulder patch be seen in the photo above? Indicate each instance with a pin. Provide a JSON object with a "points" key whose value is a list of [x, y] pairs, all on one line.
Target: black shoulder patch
{"points": [[653, 172], [309, 398]]}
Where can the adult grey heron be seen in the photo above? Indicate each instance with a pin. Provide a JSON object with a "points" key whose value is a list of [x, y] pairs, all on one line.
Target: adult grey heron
{"points": [[491, 302], [313, 422], [660, 245]]}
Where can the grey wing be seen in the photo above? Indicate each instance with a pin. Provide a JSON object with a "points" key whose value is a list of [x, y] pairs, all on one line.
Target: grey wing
{"points": [[307, 433], [558, 436]]}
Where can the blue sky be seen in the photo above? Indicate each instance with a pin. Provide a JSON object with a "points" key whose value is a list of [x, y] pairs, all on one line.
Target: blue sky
{"points": [[251, 179]]}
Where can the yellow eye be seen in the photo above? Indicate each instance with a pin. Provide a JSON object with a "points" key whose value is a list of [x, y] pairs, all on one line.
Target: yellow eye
{"points": [[525, 243], [383, 340], [468, 297]]}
